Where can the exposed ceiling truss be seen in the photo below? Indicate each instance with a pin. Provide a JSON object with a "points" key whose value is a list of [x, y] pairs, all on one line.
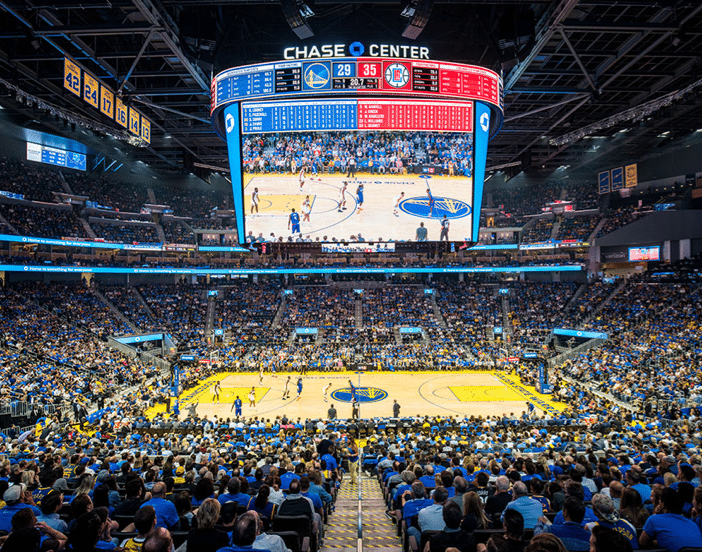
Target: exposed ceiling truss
{"points": [[582, 61]]}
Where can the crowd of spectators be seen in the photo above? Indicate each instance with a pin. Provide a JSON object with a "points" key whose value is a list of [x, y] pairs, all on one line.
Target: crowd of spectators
{"points": [[375, 153], [181, 309], [127, 197], [539, 231], [43, 222], [536, 308], [619, 218], [577, 228], [177, 232], [28, 180], [126, 232], [125, 299]]}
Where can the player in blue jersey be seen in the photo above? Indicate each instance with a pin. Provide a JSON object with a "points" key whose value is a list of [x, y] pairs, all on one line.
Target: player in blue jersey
{"points": [[359, 196], [299, 389], [353, 391], [294, 221], [236, 406], [430, 201]]}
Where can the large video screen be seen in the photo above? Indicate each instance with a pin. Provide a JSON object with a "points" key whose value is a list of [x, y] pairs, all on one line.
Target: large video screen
{"points": [[55, 156], [358, 186], [652, 253]]}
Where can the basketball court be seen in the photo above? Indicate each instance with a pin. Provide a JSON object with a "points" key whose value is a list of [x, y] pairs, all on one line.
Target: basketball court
{"points": [[375, 219], [418, 393]]}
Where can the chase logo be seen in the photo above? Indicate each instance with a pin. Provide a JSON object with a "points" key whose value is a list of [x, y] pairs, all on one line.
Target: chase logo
{"points": [[452, 208], [485, 122], [229, 123], [317, 75], [363, 394]]}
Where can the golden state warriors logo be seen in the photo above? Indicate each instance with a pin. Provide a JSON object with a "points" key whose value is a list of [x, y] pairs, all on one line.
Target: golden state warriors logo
{"points": [[363, 394], [452, 208], [316, 75]]}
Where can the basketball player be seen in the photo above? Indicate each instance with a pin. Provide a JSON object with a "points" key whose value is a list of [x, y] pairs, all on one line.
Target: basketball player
{"points": [[252, 397], [306, 209], [430, 201], [444, 229], [396, 207], [299, 389], [302, 177], [294, 221], [342, 197], [353, 391], [236, 405], [216, 390], [260, 374], [254, 201], [326, 391], [286, 391], [359, 197]]}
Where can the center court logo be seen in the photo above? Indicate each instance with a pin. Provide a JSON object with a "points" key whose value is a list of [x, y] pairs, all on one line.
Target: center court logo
{"points": [[452, 208], [363, 394]]}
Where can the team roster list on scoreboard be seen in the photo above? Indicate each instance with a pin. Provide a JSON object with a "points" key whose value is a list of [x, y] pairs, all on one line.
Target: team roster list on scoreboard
{"points": [[302, 115]]}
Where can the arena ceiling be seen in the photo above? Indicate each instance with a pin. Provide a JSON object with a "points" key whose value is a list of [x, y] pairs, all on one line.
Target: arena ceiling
{"points": [[570, 66]]}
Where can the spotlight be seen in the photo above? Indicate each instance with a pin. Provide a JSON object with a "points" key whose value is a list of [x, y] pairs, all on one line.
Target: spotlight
{"points": [[418, 12], [296, 13]]}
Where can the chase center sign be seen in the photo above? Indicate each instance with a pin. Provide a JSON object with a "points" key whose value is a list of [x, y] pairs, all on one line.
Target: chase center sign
{"points": [[356, 49]]}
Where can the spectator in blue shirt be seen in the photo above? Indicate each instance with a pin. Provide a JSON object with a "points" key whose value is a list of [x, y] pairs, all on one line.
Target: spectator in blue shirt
{"points": [[667, 528], [574, 537], [16, 498], [530, 509], [166, 513], [234, 493]]}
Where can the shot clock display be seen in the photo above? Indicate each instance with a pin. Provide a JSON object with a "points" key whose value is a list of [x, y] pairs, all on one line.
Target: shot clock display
{"points": [[368, 148]]}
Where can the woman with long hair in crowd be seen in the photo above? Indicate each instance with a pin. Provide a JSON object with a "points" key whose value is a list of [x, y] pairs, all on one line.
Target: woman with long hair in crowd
{"points": [[473, 514]]}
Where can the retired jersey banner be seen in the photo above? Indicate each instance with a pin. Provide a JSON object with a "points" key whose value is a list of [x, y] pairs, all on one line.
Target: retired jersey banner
{"points": [[145, 129], [71, 76], [91, 89], [134, 121], [631, 177], [121, 115], [107, 102]]}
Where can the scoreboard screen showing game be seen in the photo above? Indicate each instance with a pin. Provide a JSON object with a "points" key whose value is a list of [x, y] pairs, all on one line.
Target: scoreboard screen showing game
{"points": [[651, 253], [357, 185], [357, 149]]}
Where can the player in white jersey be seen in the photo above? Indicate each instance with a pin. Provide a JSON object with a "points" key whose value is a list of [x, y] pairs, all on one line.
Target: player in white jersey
{"points": [[302, 177], [342, 197], [306, 209], [326, 391], [396, 207], [260, 374], [252, 397], [286, 391], [254, 200]]}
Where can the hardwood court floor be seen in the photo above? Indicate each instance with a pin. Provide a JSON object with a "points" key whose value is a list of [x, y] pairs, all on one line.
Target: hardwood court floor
{"points": [[418, 393]]}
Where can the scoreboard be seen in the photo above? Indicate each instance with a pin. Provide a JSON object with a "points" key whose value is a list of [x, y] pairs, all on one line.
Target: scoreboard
{"points": [[361, 114], [361, 94], [55, 156], [358, 77]]}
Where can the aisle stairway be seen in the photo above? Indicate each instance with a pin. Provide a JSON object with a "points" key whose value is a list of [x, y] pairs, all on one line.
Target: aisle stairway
{"points": [[342, 528]]}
